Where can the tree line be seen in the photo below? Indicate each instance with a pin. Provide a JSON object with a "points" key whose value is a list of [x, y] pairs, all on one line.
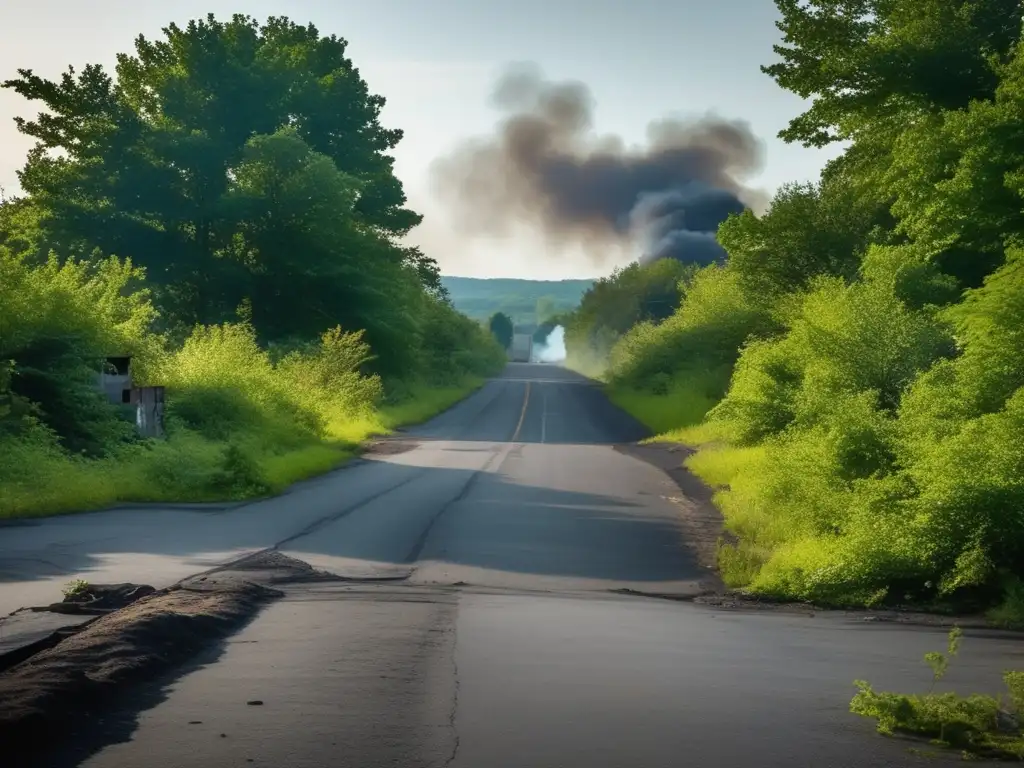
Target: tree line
{"points": [[222, 208], [854, 372]]}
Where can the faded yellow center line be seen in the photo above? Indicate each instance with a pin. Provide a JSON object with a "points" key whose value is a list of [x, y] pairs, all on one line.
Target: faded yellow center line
{"points": [[522, 415]]}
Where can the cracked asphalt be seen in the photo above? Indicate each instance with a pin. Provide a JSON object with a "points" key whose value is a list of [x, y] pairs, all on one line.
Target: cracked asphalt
{"points": [[478, 624]]}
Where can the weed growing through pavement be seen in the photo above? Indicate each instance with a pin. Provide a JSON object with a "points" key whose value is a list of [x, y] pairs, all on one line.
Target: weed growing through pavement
{"points": [[976, 725]]}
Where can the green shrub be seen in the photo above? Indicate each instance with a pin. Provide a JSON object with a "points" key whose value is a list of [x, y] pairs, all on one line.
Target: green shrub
{"points": [[648, 293], [714, 319], [823, 513], [58, 321], [842, 340], [241, 421]]}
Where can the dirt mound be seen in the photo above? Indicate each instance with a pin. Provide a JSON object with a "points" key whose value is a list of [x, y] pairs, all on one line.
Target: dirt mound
{"points": [[269, 568], [41, 696]]}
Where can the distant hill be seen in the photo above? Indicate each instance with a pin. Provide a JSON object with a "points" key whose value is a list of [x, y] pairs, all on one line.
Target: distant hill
{"points": [[527, 302]]}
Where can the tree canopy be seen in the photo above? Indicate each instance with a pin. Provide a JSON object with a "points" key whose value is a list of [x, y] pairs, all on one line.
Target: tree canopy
{"points": [[866, 62], [237, 163]]}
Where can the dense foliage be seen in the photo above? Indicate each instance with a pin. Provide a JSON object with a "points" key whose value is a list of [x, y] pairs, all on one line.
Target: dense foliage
{"points": [[855, 371], [617, 303], [222, 209]]}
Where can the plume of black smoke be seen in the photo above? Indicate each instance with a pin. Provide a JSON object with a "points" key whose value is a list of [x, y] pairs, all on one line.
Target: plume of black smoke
{"points": [[543, 166]]}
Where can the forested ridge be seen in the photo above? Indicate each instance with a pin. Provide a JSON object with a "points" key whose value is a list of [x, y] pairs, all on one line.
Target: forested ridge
{"points": [[853, 374], [525, 301], [222, 209]]}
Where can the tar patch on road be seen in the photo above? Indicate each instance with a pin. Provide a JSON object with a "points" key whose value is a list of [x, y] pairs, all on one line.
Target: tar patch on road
{"points": [[43, 697]]}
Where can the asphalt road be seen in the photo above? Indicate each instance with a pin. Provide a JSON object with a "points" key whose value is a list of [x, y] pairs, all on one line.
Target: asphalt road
{"points": [[482, 627]]}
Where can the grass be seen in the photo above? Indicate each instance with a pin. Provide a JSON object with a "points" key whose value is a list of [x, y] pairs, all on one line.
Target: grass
{"points": [[189, 467], [674, 407], [304, 463], [663, 414], [719, 465], [425, 402], [976, 725]]}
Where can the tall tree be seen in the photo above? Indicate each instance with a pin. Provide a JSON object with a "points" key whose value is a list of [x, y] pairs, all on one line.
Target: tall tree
{"points": [[866, 62], [503, 329], [234, 161]]}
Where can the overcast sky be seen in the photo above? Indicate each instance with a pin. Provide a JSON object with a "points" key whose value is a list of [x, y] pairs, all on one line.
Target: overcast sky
{"points": [[436, 62]]}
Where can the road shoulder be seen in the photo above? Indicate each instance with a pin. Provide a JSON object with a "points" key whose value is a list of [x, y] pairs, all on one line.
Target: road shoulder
{"points": [[701, 522]]}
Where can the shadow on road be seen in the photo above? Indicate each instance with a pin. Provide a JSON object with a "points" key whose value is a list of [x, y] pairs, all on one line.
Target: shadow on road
{"points": [[521, 477], [462, 517], [96, 731]]}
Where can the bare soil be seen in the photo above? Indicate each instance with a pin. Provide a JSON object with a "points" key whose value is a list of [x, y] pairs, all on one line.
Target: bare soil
{"points": [[390, 446]]}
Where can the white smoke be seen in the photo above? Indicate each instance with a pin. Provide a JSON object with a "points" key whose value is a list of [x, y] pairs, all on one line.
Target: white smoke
{"points": [[552, 349]]}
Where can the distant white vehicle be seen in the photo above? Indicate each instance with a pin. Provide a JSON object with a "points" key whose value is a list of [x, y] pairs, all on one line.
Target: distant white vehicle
{"points": [[522, 348]]}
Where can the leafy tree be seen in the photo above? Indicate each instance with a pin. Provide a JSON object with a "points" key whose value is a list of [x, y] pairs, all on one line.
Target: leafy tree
{"points": [[20, 230], [233, 161], [502, 328], [453, 344], [809, 230], [632, 295], [957, 183], [866, 62], [298, 237]]}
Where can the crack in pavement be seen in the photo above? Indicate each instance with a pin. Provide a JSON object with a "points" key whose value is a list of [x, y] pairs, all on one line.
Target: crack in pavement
{"points": [[504, 450], [455, 696], [421, 541], [334, 517]]}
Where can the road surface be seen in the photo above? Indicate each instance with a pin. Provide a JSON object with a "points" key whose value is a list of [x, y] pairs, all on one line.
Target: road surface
{"points": [[484, 624]]}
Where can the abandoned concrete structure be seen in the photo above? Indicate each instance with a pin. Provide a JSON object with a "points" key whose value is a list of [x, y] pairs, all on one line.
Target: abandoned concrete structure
{"points": [[115, 381]]}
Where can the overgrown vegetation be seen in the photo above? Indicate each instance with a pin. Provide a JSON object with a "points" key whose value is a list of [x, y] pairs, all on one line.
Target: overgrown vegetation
{"points": [[222, 210], [978, 725], [854, 372]]}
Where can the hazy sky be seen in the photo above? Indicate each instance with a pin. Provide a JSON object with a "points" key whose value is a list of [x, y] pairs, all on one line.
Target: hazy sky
{"points": [[436, 62]]}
